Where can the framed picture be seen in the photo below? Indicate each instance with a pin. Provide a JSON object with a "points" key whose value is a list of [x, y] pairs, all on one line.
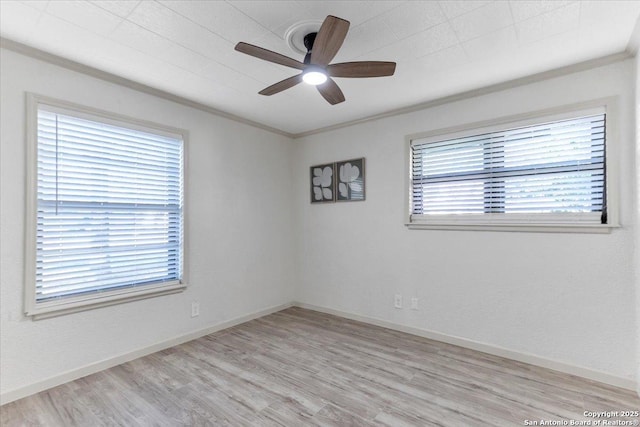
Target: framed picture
{"points": [[323, 183], [350, 180]]}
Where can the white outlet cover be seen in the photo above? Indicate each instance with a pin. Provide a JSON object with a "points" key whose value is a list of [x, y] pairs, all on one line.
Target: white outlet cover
{"points": [[397, 302]]}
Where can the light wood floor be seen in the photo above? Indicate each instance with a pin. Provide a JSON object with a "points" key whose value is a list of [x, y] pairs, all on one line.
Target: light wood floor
{"points": [[300, 367]]}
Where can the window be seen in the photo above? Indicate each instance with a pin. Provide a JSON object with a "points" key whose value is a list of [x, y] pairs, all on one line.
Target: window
{"points": [[543, 172], [107, 210]]}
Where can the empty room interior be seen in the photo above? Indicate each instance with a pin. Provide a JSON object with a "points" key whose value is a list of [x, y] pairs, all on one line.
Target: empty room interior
{"points": [[442, 232]]}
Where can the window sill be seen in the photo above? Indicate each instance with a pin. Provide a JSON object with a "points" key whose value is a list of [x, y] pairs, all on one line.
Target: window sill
{"points": [[523, 227], [519, 222], [56, 308]]}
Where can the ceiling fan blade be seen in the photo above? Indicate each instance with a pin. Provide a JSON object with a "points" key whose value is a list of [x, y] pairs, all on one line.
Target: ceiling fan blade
{"points": [[362, 69], [281, 85], [331, 92], [330, 36], [268, 55]]}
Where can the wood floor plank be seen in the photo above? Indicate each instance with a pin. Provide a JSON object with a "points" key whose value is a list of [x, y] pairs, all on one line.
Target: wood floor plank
{"points": [[335, 416], [304, 368]]}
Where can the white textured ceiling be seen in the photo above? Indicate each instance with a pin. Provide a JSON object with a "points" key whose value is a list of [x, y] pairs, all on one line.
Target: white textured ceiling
{"points": [[441, 47]]}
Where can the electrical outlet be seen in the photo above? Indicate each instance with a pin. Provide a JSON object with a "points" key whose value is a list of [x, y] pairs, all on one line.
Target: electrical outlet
{"points": [[195, 309], [397, 301], [414, 303]]}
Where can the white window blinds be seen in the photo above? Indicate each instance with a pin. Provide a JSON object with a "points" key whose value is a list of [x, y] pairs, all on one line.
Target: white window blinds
{"points": [[109, 207], [553, 170]]}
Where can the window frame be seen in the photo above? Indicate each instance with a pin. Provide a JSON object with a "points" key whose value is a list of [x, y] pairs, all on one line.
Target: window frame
{"points": [[522, 222], [41, 310]]}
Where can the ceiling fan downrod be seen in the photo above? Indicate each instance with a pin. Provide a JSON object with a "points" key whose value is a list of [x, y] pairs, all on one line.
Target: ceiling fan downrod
{"points": [[308, 43]]}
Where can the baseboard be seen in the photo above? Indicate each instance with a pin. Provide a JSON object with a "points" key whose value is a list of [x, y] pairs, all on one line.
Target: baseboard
{"points": [[74, 374], [92, 368], [531, 359]]}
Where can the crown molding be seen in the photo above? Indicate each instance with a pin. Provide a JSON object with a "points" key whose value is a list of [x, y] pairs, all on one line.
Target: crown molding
{"points": [[112, 78], [629, 52], [521, 81], [634, 40]]}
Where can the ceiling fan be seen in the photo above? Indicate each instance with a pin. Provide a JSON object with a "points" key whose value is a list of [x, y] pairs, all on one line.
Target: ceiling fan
{"points": [[321, 47]]}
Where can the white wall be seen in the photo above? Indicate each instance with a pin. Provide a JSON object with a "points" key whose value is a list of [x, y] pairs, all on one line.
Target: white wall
{"points": [[567, 298], [240, 257], [637, 242]]}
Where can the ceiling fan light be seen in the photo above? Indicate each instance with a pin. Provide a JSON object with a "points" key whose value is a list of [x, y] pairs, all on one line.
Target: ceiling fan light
{"points": [[314, 77]]}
